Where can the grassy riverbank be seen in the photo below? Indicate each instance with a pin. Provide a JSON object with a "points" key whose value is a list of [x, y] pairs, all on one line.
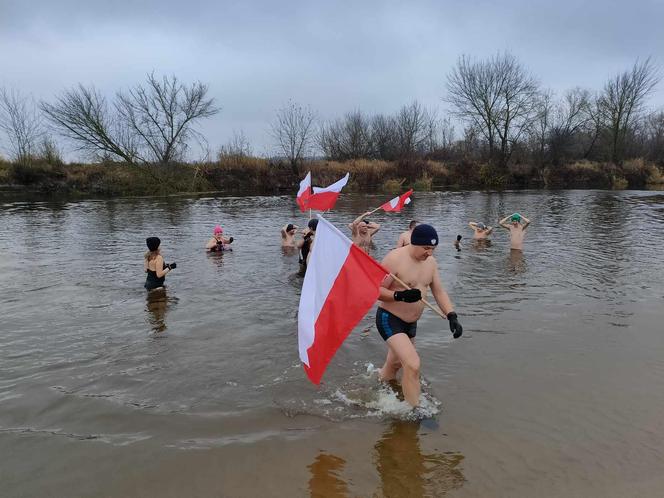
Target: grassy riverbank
{"points": [[262, 176]]}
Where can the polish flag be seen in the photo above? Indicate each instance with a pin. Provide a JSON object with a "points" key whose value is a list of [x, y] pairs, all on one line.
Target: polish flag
{"points": [[397, 204], [341, 284], [304, 193], [325, 198]]}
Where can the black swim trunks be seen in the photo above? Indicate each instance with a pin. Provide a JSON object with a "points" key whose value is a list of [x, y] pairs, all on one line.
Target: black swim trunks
{"points": [[389, 324]]}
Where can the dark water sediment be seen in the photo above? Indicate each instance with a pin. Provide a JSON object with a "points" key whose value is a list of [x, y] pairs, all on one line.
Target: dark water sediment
{"points": [[555, 389]]}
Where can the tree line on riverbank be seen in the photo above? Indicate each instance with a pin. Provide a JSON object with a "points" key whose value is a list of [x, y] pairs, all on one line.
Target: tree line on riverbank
{"points": [[515, 133]]}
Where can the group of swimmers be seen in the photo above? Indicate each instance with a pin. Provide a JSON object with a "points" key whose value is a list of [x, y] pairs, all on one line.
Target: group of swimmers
{"points": [[413, 272]]}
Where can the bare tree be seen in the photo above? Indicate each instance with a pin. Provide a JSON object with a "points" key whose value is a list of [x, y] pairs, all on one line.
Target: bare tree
{"points": [[347, 138], [151, 123], [160, 116], [82, 115], [542, 123], [572, 119], [238, 146], [22, 124], [413, 124], [497, 97], [293, 132], [623, 100], [384, 137]]}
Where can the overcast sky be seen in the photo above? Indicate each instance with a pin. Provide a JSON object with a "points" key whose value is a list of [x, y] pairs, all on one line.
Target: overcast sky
{"points": [[335, 56]]}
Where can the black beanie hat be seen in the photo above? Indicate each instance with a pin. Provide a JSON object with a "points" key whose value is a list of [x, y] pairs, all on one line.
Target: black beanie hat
{"points": [[153, 243], [424, 235]]}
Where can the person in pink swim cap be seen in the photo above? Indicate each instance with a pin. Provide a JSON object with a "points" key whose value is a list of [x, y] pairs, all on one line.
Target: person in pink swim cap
{"points": [[218, 242]]}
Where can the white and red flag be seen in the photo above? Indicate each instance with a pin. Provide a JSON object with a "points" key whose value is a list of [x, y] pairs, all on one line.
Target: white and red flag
{"points": [[304, 193], [325, 198], [341, 284], [395, 205]]}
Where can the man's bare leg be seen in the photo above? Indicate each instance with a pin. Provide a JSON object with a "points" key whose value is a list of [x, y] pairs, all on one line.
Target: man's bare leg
{"points": [[404, 350], [391, 366]]}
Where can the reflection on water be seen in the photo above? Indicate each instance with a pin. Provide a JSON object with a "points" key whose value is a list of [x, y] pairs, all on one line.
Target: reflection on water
{"points": [[326, 481], [481, 244], [405, 471], [157, 303], [516, 263]]}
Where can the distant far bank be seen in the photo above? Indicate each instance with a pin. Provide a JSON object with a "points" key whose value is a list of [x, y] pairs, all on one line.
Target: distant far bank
{"points": [[249, 175]]}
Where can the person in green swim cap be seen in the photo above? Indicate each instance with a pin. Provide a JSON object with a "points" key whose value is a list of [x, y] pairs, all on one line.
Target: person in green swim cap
{"points": [[517, 226]]}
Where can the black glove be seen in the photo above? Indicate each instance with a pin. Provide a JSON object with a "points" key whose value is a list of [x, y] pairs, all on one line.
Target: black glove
{"points": [[455, 326], [172, 266], [230, 240], [408, 296]]}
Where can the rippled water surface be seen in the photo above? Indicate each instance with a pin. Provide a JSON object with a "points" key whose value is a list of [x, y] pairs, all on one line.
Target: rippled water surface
{"points": [[555, 389]]}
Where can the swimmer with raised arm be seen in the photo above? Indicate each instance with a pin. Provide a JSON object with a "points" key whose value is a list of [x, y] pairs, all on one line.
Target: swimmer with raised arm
{"points": [[218, 242], [517, 226], [400, 308], [363, 231], [288, 233], [481, 231], [404, 238]]}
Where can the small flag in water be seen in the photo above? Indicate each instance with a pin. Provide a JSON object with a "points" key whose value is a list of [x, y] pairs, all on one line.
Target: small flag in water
{"points": [[395, 205]]}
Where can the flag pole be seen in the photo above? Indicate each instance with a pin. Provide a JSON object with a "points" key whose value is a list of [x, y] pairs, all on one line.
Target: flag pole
{"points": [[427, 303]]}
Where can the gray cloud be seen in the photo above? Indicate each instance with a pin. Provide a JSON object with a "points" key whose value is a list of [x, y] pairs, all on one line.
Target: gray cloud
{"points": [[334, 56]]}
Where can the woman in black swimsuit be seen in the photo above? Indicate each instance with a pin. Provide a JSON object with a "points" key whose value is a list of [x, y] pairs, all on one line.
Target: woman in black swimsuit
{"points": [[154, 265]]}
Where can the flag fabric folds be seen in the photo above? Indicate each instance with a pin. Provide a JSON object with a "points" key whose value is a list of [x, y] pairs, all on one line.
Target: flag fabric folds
{"points": [[341, 284], [325, 198], [395, 205], [304, 193]]}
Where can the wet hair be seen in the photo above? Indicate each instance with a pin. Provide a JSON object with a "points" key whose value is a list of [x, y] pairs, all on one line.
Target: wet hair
{"points": [[459, 237], [290, 227], [313, 224], [412, 224]]}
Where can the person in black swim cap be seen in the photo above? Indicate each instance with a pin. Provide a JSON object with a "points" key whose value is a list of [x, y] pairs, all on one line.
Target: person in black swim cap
{"points": [[307, 243], [399, 308], [154, 265]]}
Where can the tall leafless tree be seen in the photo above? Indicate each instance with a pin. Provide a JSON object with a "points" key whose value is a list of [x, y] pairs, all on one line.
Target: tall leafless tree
{"points": [[495, 96], [293, 131], [160, 115], [622, 102], [21, 123], [151, 123], [347, 138]]}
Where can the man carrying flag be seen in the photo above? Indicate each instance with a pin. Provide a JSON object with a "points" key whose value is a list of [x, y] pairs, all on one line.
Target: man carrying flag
{"points": [[342, 283], [401, 307]]}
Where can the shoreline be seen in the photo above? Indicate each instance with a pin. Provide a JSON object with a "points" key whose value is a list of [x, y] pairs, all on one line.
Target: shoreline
{"points": [[254, 176]]}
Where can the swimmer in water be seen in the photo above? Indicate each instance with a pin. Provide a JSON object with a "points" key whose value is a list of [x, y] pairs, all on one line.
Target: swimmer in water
{"points": [[457, 243], [288, 235], [307, 243], [363, 231], [517, 226], [218, 242], [404, 238], [154, 265], [400, 308], [481, 231]]}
